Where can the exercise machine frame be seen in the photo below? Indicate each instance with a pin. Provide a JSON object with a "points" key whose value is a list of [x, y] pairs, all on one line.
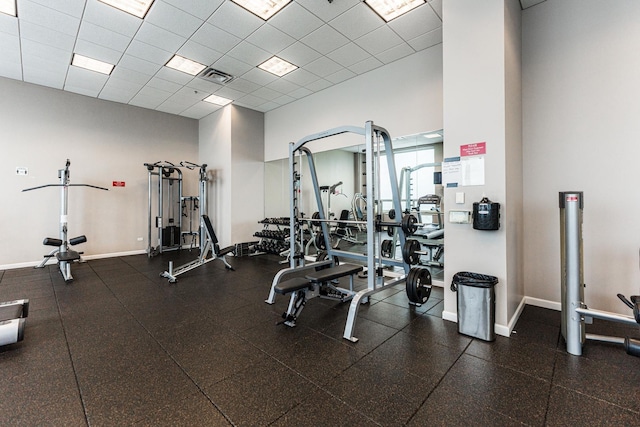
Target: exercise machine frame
{"points": [[575, 313], [64, 255], [374, 136]]}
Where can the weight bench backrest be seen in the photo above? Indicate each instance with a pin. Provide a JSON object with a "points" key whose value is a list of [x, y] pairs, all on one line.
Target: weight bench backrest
{"points": [[214, 239]]}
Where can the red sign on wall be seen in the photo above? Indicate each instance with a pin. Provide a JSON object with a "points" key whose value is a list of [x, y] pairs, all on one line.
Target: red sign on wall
{"points": [[475, 149], [118, 183]]}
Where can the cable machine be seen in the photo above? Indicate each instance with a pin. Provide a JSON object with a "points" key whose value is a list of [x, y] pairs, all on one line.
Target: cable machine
{"points": [[168, 218], [62, 252]]}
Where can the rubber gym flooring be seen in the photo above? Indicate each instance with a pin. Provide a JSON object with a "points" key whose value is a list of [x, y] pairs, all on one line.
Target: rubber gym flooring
{"points": [[120, 346]]}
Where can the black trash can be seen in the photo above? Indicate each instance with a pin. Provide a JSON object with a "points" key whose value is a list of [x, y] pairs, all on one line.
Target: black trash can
{"points": [[476, 304]]}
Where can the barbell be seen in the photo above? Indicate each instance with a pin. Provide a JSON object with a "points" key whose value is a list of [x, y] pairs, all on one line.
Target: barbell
{"points": [[409, 223]]}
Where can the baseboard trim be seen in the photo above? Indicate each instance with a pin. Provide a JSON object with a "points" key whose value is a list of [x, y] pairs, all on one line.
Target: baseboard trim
{"points": [[84, 257]]}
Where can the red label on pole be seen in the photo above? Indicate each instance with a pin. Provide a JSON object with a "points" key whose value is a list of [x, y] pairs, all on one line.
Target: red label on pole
{"points": [[118, 183], [572, 198], [475, 149]]}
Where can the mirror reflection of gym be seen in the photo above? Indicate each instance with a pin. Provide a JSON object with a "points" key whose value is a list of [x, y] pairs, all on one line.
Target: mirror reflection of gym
{"points": [[418, 161]]}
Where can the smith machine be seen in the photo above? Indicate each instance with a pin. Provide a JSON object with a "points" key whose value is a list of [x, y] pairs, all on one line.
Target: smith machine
{"points": [[317, 279], [64, 255], [575, 313], [170, 236]]}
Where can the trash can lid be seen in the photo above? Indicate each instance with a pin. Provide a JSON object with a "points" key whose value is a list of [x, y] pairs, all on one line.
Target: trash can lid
{"points": [[477, 280]]}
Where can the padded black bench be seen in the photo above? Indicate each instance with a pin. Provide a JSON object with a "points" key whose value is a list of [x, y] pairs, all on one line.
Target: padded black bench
{"points": [[292, 285], [329, 274], [68, 256]]}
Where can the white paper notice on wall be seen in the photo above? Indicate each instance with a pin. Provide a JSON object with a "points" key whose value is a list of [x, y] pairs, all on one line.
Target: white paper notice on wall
{"points": [[451, 172], [472, 170]]}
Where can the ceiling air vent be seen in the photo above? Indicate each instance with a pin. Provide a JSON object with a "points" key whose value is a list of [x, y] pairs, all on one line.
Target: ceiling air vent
{"points": [[215, 76]]}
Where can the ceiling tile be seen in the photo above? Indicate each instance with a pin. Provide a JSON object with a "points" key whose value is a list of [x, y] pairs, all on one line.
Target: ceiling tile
{"points": [[418, 21], [296, 21], [198, 8], [174, 76], [8, 24], [395, 53], [357, 21], [199, 53], [121, 73], [283, 86], [145, 101], [340, 76], [44, 76], [300, 93], [159, 37], [98, 52], [200, 110], [366, 65], [148, 52], [153, 93], [215, 38], [11, 70], [299, 54], [173, 19], [270, 39], [323, 66], [124, 85], [436, 5], [243, 85], [191, 94], [84, 81], [227, 92], [318, 85], [248, 53], [260, 77], [325, 39], [70, 7], [426, 40], [9, 45], [349, 54], [266, 93], [284, 99], [232, 66], [116, 95], [48, 53], [162, 84], [325, 10], [172, 107], [99, 13], [99, 35], [203, 85], [47, 36], [136, 64], [524, 4], [301, 77], [235, 20], [379, 40], [250, 101], [29, 11]]}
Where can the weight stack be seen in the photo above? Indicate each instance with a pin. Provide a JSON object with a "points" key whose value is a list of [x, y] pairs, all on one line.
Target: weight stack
{"points": [[486, 215], [171, 235]]}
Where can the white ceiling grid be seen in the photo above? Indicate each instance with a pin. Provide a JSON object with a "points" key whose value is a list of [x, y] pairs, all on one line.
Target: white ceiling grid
{"points": [[329, 42]]}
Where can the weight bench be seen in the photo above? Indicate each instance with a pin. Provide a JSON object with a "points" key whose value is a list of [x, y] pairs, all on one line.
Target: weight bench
{"points": [[315, 284], [12, 321], [63, 254]]}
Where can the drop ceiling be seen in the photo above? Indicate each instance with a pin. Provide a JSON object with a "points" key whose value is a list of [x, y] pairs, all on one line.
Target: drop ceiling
{"points": [[330, 42]]}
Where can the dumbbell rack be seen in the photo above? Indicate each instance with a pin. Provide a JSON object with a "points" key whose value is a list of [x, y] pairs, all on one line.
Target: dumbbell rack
{"points": [[273, 240]]}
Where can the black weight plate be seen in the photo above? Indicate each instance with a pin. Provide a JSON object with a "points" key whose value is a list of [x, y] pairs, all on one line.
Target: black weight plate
{"points": [[391, 231], [392, 214], [320, 243], [386, 248], [423, 288], [316, 215], [410, 286], [409, 251], [409, 224]]}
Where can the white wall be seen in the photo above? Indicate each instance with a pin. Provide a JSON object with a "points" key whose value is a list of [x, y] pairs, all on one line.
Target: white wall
{"points": [[581, 104], [404, 97], [105, 142]]}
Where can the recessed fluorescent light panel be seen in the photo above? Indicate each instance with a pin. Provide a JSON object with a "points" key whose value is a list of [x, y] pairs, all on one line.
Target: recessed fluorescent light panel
{"points": [[8, 7], [218, 100], [91, 64], [137, 8], [277, 66], [185, 65], [265, 9], [390, 9]]}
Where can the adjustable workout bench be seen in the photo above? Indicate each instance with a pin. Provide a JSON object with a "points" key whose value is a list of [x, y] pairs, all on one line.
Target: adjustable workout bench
{"points": [[317, 283], [12, 320], [210, 243]]}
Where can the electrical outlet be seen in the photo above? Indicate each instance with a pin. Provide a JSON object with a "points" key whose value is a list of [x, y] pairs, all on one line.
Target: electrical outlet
{"points": [[139, 239]]}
